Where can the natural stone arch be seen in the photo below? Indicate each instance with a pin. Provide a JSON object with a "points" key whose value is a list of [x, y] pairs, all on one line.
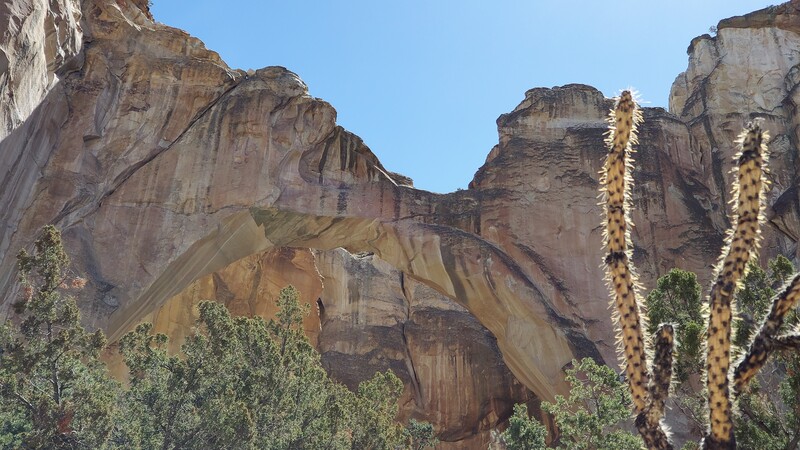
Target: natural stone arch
{"points": [[234, 164], [263, 165], [536, 342]]}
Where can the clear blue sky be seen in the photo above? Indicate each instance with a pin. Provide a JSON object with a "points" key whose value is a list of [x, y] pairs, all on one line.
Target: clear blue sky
{"points": [[423, 81]]}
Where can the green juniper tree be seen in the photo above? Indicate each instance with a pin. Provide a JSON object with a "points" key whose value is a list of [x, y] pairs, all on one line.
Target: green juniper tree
{"points": [[421, 435], [247, 383], [591, 418], [755, 297], [54, 392], [676, 299], [524, 432]]}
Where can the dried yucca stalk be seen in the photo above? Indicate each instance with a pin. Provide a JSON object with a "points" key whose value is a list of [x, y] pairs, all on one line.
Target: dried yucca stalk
{"points": [[650, 391]]}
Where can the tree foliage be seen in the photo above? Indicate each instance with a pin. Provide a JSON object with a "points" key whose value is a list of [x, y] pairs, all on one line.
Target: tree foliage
{"points": [[247, 383], [421, 435], [592, 417], [754, 298], [55, 391], [524, 432], [677, 300], [767, 418], [769, 411]]}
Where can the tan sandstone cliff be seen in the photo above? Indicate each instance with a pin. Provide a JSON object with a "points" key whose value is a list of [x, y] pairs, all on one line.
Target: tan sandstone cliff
{"points": [[177, 178]]}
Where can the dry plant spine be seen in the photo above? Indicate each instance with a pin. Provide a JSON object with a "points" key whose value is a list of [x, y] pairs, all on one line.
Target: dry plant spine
{"points": [[650, 391]]}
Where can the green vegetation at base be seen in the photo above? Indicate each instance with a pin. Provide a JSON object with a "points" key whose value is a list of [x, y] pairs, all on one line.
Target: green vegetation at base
{"points": [[676, 299], [247, 383], [421, 435], [239, 383], [591, 417], [54, 392], [768, 418], [524, 432], [754, 298]]}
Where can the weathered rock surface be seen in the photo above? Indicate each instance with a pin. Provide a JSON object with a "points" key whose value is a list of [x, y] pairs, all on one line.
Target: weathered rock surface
{"points": [[539, 201], [749, 70], [248, 287], [374, 318], [238, 165], [39, 41], [176, 178]]}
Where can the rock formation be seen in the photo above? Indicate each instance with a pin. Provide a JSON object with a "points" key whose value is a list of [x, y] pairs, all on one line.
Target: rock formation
{"points": [[373, 318], [750, 69], [176, 178], [40, 42]]}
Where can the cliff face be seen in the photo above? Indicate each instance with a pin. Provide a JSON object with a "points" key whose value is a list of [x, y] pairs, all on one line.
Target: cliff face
{"points": [[370, 317], [750, 69], [40, 41], [176, 178]]}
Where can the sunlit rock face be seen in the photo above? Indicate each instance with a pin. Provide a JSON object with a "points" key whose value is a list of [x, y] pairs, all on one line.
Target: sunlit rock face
{"points": [[40, 42], [247, 287], [538, 192], [749, 70], [176, 178], [374, 317]]}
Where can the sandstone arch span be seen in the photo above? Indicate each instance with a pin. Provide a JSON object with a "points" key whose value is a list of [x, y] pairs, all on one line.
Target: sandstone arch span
{"points": [[167, 165], [535, 341]]}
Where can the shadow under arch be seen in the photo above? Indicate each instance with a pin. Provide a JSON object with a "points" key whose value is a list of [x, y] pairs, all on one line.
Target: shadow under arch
{"points": [[536, 342]]}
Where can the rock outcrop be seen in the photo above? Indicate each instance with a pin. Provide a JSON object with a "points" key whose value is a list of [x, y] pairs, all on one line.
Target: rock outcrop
{"points": [[749, 70], [176, 178], [373, 318], [239, 165], [39, 44]]}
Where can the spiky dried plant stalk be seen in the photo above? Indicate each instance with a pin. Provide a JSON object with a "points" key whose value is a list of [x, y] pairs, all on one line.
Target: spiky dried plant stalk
{"points": [[748, 191], [616, 186], [662, 371], [741, 243], [790, 342], [767, 340], [616, 190], [649, 422]]}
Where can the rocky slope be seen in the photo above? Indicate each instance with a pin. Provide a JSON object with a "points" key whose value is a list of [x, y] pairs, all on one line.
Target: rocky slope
{"points": [[176, 178]]}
